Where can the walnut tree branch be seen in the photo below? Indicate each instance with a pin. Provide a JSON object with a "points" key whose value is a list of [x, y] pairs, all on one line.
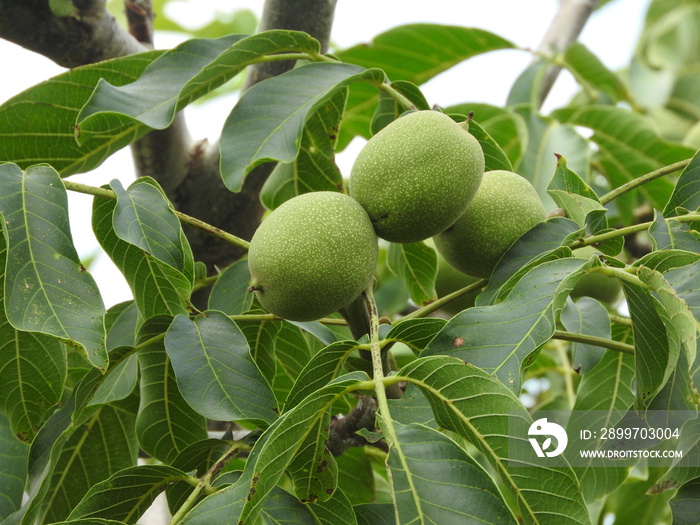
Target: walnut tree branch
{"points": [[563, 31], [86, 35]]}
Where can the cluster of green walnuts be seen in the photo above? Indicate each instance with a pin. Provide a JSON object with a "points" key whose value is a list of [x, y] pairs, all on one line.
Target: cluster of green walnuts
{"points": [[421, 176]]}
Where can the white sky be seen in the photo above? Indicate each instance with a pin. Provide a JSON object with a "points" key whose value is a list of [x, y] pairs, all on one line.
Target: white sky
{"points": [[611, 34]]}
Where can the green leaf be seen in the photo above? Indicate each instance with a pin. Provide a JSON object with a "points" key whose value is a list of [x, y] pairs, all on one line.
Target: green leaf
{"points": [[602, 400], [546, 139], [355, 475], [684, 281], [572, 194], [687, 467], [230, 291], [388, 108], [215, 371], [175, 79], [416, 265], [629, 147], [292, 353], [158, 289], [267, 122], [494, 157], [323, 367], [586, 316], [145, 218], [414, 53], [272, 453], [415, 333], [314, 167], [673, 235], [119, 384], [313, 471], [591, 73], [655, 353], [480, 408], [47, 288], [543, 238], [436, 481], [375, 514], [37, 125], [685, 504], [165, 424], [127, 494], [530, 311], [686, 193], [506, 127], [13, 469], [122, 330], [109, 435], [32, 372], [261, 336]]}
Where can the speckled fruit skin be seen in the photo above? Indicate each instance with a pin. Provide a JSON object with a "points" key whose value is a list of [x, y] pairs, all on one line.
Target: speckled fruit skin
{"points": [[417, 176], [312, 255], [505, 207]]}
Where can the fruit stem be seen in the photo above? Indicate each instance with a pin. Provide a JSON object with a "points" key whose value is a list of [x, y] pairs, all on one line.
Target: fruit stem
{"points": [[378, 368], [594, 341], [186, 219], [404, 102], [666, 170], [436, 305]]}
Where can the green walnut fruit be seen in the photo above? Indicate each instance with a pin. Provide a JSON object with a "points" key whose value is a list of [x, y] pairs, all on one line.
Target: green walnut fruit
{"points": [[505, 207], [596, 285], [417, 176], [313, 255]]}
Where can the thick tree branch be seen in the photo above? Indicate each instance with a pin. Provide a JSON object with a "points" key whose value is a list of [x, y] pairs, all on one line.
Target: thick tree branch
{"points": [[87, 35], [563, 31]]}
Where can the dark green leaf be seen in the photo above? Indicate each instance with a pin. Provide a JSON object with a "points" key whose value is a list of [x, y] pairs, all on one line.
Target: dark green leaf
{"points": [[165, 424], [685, 504], [267, 122], [415, 333], [375, 514], [13, 469], [415, 53], [261, 336], [480, 408], [314, 167], [230, 291], [323, 367], [127, 494], [603, 398], [313, 471], [494, 157], [158, 289], [32, 372], [579, 201], [39, 122], [436, 481], [685, 281], [477, 337], [416, 265], [355, 476], [630, 147], [672, 235], [145, 218], [215, 371], [109, 435], [586, 316], [655, 353], [544, 237], [178, 77], [686, 193], [506, 127], [47, 288]]}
